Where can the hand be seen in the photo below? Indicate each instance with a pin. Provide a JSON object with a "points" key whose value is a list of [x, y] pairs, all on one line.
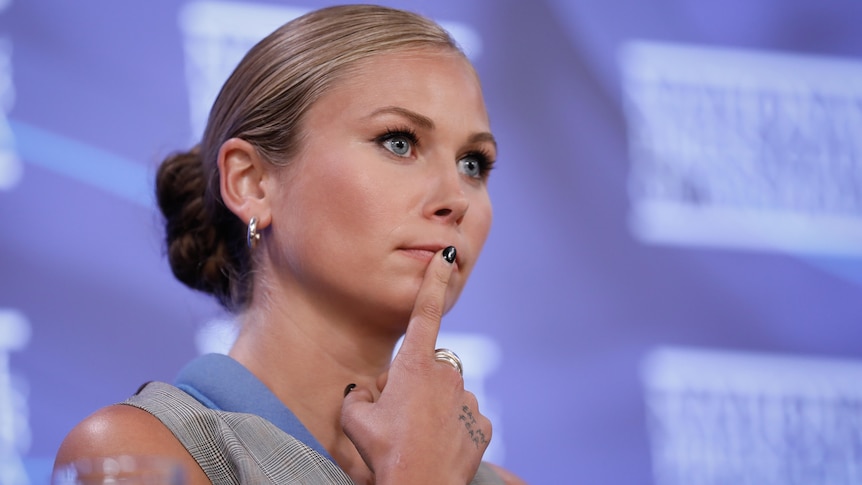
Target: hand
{"points": [[424, 427]]}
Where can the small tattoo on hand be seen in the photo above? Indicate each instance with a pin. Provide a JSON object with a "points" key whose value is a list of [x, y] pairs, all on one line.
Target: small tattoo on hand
{"points": [[476, 434]]}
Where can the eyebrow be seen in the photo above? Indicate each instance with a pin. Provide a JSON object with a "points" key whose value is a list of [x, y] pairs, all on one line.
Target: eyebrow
{"points": [[484, 137], [423, 121], [428, 124]]}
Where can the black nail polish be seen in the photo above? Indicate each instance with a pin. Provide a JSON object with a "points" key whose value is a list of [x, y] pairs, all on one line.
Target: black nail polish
{"points": [[449, 254], [349, 388]]}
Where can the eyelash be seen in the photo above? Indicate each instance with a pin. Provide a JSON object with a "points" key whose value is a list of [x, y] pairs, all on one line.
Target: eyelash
{"points": [[486, 163], [403, 132]]}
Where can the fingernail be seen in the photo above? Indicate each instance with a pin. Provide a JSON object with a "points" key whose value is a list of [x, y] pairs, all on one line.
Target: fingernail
{"points": [[349, 388], [449, 254]]}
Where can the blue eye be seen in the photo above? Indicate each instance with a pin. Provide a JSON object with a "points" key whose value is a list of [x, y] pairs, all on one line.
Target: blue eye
{"points": [[470, 166], [398, 145], [399, 142], [474, 165]]}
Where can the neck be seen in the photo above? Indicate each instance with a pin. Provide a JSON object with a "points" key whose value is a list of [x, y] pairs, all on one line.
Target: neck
{"points": [[307, 357]]}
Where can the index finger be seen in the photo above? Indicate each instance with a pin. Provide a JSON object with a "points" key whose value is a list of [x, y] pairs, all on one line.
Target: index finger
{"points": [[424, 325]]}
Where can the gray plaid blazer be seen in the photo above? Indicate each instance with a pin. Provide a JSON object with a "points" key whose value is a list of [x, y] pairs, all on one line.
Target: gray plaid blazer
{"points": [[240, 448]]}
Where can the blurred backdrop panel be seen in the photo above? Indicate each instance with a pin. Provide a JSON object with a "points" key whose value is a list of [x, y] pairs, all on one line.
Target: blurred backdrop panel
{"points": [[672, 290]]}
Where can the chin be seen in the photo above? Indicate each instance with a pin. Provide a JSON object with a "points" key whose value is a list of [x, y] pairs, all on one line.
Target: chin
{"points": [[396, 306]]}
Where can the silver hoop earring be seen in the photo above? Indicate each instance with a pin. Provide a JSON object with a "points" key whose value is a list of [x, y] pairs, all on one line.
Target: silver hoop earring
{"points": [[253, 236]]}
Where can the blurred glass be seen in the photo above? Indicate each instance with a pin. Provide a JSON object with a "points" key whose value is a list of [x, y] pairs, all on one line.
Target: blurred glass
{"points": [[127, 470]]}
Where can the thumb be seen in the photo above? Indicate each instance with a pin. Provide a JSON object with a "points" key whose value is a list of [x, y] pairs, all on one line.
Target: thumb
{"points": [[356, 401], [355, 410], [382, 379]]}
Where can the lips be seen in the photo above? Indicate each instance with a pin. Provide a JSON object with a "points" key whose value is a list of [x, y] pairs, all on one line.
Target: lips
{"points": [[427, 252]]}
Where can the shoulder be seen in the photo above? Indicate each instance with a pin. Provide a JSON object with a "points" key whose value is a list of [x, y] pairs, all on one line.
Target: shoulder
{"points": [[114, 430], [508, 477], [124, 430]]}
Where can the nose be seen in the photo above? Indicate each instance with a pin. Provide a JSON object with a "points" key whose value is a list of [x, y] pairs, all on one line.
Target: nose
{"points": [[447, 201]]}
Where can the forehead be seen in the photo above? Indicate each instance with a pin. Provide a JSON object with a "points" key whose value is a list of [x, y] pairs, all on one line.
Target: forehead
{"points": [[419, 55], [433, 80]]}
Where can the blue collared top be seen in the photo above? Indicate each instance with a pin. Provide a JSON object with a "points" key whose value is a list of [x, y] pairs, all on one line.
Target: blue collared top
{"points": [[219, 382]]}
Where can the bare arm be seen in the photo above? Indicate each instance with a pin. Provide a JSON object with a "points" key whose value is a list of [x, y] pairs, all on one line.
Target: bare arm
{"points": [[125, 430]]}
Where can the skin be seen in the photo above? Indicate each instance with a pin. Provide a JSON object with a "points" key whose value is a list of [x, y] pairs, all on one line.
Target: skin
{"points": [[350, 260]]}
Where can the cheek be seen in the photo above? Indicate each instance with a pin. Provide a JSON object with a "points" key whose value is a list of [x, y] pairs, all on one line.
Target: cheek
{"points": [[350, 196], [484, 214], [480, 226], [359, 200]]}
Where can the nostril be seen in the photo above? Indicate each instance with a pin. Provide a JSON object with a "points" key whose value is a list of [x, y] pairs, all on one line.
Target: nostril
{"points": [[443, 212]]}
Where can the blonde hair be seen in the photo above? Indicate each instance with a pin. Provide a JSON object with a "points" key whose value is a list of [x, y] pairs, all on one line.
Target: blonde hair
{"points": [[264, 102]]}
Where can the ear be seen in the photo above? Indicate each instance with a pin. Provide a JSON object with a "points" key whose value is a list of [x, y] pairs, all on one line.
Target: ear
{"points": [[243, 181]]}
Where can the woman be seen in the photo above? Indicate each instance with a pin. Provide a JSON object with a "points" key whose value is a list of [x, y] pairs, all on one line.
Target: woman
{"points": [[337, 202]]}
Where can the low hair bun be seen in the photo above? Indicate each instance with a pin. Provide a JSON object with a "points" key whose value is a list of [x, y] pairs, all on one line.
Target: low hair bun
{"points": [[203, 239]]}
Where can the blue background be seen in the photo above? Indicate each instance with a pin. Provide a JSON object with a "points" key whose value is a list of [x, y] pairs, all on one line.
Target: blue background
{"points": [[573, 300]]}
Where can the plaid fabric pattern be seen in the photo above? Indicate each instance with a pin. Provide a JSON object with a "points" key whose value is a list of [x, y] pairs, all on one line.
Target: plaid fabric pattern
{"points": [[240, 448], [236, 448]]}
